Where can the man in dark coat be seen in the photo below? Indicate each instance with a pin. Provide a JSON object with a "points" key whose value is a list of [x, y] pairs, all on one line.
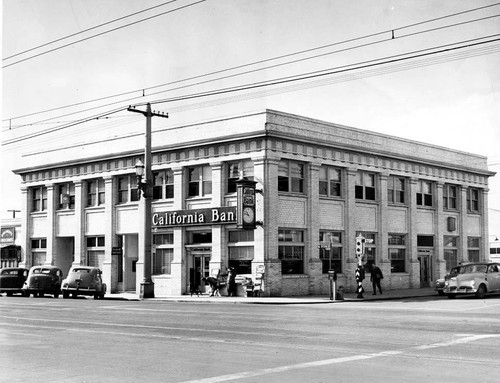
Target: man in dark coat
{"points": [[231, 282], [375, 277]]}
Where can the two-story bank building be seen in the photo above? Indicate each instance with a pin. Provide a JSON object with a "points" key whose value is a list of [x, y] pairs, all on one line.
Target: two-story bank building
{"points": [[422, 208]]}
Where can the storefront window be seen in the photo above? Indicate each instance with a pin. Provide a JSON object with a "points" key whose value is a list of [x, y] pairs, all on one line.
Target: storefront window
{"points": [[291, 251], [163, 253], [241, 251], [95, 251], [450, 251], [473, 248], [397, 252], [330, 251]]}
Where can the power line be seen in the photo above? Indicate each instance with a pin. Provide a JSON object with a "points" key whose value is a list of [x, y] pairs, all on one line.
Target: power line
{"points": [[88, 29], [276, 58], [102, 33], [283, 80]]}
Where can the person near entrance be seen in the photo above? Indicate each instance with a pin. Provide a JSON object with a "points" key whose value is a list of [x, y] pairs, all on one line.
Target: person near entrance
{"points": [[231, 282], [375, 277], [214, 285]]}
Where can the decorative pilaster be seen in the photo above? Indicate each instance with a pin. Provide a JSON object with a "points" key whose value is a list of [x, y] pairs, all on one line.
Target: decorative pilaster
{"points": [[51, 258], [439, 227], [178, 267], [79, 221], [413, 263], [110, 276], [485, 247], [24, 240]]}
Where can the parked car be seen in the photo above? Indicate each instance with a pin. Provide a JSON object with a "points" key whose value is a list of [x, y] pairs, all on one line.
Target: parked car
{"points": [[479, 278], [440, 283], [84, 280], [12, 280], [43, 280]]}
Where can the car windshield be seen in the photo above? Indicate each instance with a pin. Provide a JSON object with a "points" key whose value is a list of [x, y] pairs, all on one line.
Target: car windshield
{"points": [[81, 270], [475, 269], [9, 272]]}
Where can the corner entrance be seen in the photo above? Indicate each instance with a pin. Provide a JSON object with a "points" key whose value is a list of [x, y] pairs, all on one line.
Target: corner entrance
{"points": [[425, 270], [199, 268]]}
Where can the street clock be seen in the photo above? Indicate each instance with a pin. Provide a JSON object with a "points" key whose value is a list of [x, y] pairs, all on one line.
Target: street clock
{"points": [[245, 217]]}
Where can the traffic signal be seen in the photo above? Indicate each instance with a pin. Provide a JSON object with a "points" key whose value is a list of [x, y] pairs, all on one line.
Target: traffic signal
{"points": [[360, 245]]}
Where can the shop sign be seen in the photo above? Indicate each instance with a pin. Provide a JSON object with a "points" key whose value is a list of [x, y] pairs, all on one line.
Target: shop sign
{"points": [[211, 216], [116, 251], [8, 235]]}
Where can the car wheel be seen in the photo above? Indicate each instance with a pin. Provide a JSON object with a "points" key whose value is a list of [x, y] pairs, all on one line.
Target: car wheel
{"points": [[96, 296], [40, 295], [441, 292], [74, 295], [65, 295], [451, 296], [481, 292], [56, 295], [9, 293]]}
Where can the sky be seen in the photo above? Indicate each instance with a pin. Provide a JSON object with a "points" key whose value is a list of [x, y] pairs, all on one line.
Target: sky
{"points": [[62, 68]]}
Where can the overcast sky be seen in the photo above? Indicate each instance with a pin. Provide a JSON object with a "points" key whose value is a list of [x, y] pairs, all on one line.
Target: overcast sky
{"points": [[449, 99]]}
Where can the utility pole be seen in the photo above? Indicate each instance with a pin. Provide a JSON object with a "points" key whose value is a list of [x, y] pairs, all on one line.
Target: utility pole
{"points": [[145, 183]]}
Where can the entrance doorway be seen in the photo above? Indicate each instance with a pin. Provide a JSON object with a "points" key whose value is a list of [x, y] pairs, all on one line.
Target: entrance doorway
{"points": [[425, 270], [198, 269]]}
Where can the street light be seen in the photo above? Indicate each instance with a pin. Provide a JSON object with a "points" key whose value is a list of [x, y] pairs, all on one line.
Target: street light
{"points": [[141, 186]]}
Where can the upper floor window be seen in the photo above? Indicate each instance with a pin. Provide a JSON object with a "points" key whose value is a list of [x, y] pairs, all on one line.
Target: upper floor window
{"points": [[424, 193], [127, 189], [39, 201], [396, 189], [291, 251], [163, 184], [290, 176], [66, 194], [236, 170], [365, 186], [200, 181], [450, 197], [473, 199], [330, 181], [95, 192]]}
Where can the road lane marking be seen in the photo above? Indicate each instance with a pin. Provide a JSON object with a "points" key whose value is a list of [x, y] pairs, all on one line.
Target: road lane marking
{"points": [[319, 363]]}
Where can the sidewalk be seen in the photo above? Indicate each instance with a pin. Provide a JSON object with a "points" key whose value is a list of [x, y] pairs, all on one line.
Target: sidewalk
{"points": [[309, 299]]}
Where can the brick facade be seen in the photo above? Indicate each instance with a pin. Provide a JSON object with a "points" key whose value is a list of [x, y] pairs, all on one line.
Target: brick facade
{"points": [[410, 235]]}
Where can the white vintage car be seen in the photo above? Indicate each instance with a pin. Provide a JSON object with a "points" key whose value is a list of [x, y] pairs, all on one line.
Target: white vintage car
{"points": [[474, 278]]}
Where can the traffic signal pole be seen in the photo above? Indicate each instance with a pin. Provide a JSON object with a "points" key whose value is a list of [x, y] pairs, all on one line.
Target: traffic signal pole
{"points": [[146, 185]]}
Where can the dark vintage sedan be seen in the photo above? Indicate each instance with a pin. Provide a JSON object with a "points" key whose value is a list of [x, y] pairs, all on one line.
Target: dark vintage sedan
{"points": [[43, 280], [84, 280], [12, 280]]}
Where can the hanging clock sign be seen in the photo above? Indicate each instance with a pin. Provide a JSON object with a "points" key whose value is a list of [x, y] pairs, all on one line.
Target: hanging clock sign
{"points": [[245, 218]]}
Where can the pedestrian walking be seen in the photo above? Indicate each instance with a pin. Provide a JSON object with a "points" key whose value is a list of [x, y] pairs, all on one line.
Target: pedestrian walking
{"points": [[214, 286], [375, 277], [231, 282]]}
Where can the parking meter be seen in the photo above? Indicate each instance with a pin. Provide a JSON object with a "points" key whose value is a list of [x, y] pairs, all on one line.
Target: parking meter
{"points": [[332, 276]]}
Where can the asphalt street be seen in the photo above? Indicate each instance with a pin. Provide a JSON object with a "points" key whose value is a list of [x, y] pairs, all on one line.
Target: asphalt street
{"points": [[407, 340]]}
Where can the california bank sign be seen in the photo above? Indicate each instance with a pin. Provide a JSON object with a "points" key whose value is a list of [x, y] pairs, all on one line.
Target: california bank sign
{"points": [[214, 216]]}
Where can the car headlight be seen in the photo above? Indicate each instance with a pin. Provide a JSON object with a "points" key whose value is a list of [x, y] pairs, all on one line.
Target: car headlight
{"points": [[447, 283], [472, 283]]}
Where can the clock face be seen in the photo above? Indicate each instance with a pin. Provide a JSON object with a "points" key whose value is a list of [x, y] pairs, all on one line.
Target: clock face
{"points": [[248, 215]]}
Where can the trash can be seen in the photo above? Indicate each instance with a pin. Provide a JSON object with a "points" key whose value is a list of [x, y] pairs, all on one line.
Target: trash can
{"points": [[340, 293]]}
